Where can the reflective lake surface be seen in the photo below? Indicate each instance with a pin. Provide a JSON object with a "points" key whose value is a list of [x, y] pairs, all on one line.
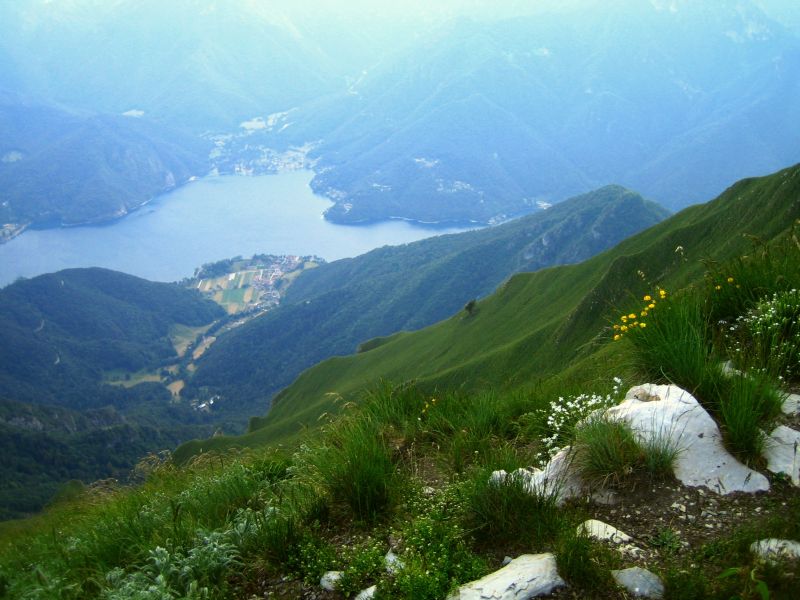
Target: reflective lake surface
{"points": [[206, 220]]}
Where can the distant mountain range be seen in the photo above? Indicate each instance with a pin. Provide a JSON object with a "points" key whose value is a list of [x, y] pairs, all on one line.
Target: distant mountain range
{"points": [[481, 121], [450, 114]]}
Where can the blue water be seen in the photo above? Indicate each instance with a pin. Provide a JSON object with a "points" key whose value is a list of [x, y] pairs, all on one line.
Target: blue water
{"points": [[206, 220]]}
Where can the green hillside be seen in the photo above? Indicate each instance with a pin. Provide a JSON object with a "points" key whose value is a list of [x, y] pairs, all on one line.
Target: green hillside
{"points": [[328, 311], [60, 334], [539, 323]]}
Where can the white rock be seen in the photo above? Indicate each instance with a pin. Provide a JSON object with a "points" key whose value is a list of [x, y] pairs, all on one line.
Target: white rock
{"points": [[329, 580], [675, 415], [639, 582], [772, 549], [393, 563], [556, 478], [527, 576], [791, 406], [603, 531], [782, 452], [367, 594]]}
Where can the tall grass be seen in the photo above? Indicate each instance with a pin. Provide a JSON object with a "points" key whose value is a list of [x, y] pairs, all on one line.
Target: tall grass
{"points": [[354, 463], [676, 346], [508, 511], [748, 403]]}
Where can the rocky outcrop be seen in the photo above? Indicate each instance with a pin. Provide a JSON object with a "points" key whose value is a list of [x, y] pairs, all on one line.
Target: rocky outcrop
{"points": [[673, 417]]}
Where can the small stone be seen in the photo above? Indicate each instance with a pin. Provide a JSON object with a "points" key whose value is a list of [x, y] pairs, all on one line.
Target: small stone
{"points": [[772, 549], [393, 563], [507, 560], [782, 452], [367, 594], [639, 582], [329, 580], [791, 406], [602, 531]]}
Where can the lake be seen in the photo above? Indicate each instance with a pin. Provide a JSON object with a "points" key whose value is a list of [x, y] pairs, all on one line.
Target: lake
{"points": [[204, 221]]}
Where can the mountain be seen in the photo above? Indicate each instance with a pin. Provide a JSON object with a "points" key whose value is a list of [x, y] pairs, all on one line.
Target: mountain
{"points": [[61, 332], [331, 309], [61, 335], [477, 121], [44, 447], [66, 167], [201, 64], [537, 324]]}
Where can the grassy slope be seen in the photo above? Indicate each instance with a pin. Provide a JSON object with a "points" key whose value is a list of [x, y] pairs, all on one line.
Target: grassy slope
{"points": [[539, 323]]}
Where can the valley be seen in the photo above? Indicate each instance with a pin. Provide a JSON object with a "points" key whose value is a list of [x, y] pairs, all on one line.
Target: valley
{"points": [[416, 300]]}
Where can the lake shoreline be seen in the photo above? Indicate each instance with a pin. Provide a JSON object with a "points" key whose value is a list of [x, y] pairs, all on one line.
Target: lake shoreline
{"points": [[214, 218]]}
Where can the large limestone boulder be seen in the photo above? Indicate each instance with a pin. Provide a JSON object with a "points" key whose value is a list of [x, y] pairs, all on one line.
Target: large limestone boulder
{"points": [[527, 576], [674, 415], [782, 452], [667, 413]]}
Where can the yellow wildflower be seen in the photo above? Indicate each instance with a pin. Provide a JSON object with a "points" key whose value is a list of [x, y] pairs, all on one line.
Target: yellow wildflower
{"points": [[644, 313], [730, 279], [617, 337], [651, 306], [642, 325], [632, 316], [647, 298], [624, 318], [662, 293], [616, 326], [717, 287], [624, 328]]}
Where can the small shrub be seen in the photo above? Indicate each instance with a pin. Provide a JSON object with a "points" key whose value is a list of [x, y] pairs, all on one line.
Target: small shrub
{"points": [[606, 451], [509, 511], [314, 557], [659, 454], [364, 565], [435, 557], [582, 563], [667, 541], [676, 347], [686, 585], [355, 464], [767, 337], [562, 415], [748, 403]]}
